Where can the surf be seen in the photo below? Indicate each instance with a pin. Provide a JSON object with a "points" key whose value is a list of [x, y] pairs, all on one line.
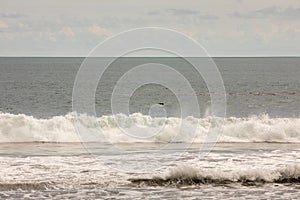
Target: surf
{"points": [[120, 128]]}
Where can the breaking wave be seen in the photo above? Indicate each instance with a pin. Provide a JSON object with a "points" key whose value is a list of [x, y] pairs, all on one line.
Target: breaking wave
{"points": [[142, 128], [185, 175]]}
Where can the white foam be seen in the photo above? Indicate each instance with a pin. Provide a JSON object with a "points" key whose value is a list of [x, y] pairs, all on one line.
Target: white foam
{"points": [[236, 175], [142, 128]]}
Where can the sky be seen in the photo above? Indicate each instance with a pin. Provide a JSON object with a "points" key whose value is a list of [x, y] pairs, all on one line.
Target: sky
{"points": [[223, 28]]}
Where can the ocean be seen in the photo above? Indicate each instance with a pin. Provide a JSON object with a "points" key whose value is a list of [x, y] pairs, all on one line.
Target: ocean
{"points": [[154, 149]]}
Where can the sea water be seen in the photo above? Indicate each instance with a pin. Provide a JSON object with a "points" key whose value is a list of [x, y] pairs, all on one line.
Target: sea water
{"points": [[256, 155]]}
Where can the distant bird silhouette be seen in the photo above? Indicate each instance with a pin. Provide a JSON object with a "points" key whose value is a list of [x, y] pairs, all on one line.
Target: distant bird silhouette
{"points": [[161, 103]]}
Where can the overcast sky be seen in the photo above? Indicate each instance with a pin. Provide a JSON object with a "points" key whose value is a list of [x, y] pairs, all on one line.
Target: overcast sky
{"points": [[223, 27]]}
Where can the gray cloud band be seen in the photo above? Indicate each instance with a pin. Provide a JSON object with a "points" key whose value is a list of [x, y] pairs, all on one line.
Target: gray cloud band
{"points": [[90, 73]]}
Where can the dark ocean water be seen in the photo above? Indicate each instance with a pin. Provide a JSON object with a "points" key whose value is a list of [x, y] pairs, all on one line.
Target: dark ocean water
{"points": [[42, 87]]}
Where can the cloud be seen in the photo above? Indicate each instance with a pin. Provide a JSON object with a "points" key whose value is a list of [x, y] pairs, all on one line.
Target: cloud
{"points": [[11, 15], [98, 30], [153, 13], [52, 28], [3, 24], [182, 12], [272, 11], [188, 12], [67, 31], [207, 16], [288, 12]]}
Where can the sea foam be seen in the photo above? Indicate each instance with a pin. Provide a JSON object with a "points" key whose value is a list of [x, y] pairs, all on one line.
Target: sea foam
{"points": [[187, 175], [121, 128]]}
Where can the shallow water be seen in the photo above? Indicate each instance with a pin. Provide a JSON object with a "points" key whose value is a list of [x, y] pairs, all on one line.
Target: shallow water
{"points": [[49, 170]]}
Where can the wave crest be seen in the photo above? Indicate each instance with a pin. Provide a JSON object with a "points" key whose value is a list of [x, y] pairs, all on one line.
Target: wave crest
{"points": [[186, 175], [115, 129]]}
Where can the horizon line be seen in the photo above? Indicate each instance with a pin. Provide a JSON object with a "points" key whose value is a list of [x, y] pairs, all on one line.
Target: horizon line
{"points": [[217, 56]]}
